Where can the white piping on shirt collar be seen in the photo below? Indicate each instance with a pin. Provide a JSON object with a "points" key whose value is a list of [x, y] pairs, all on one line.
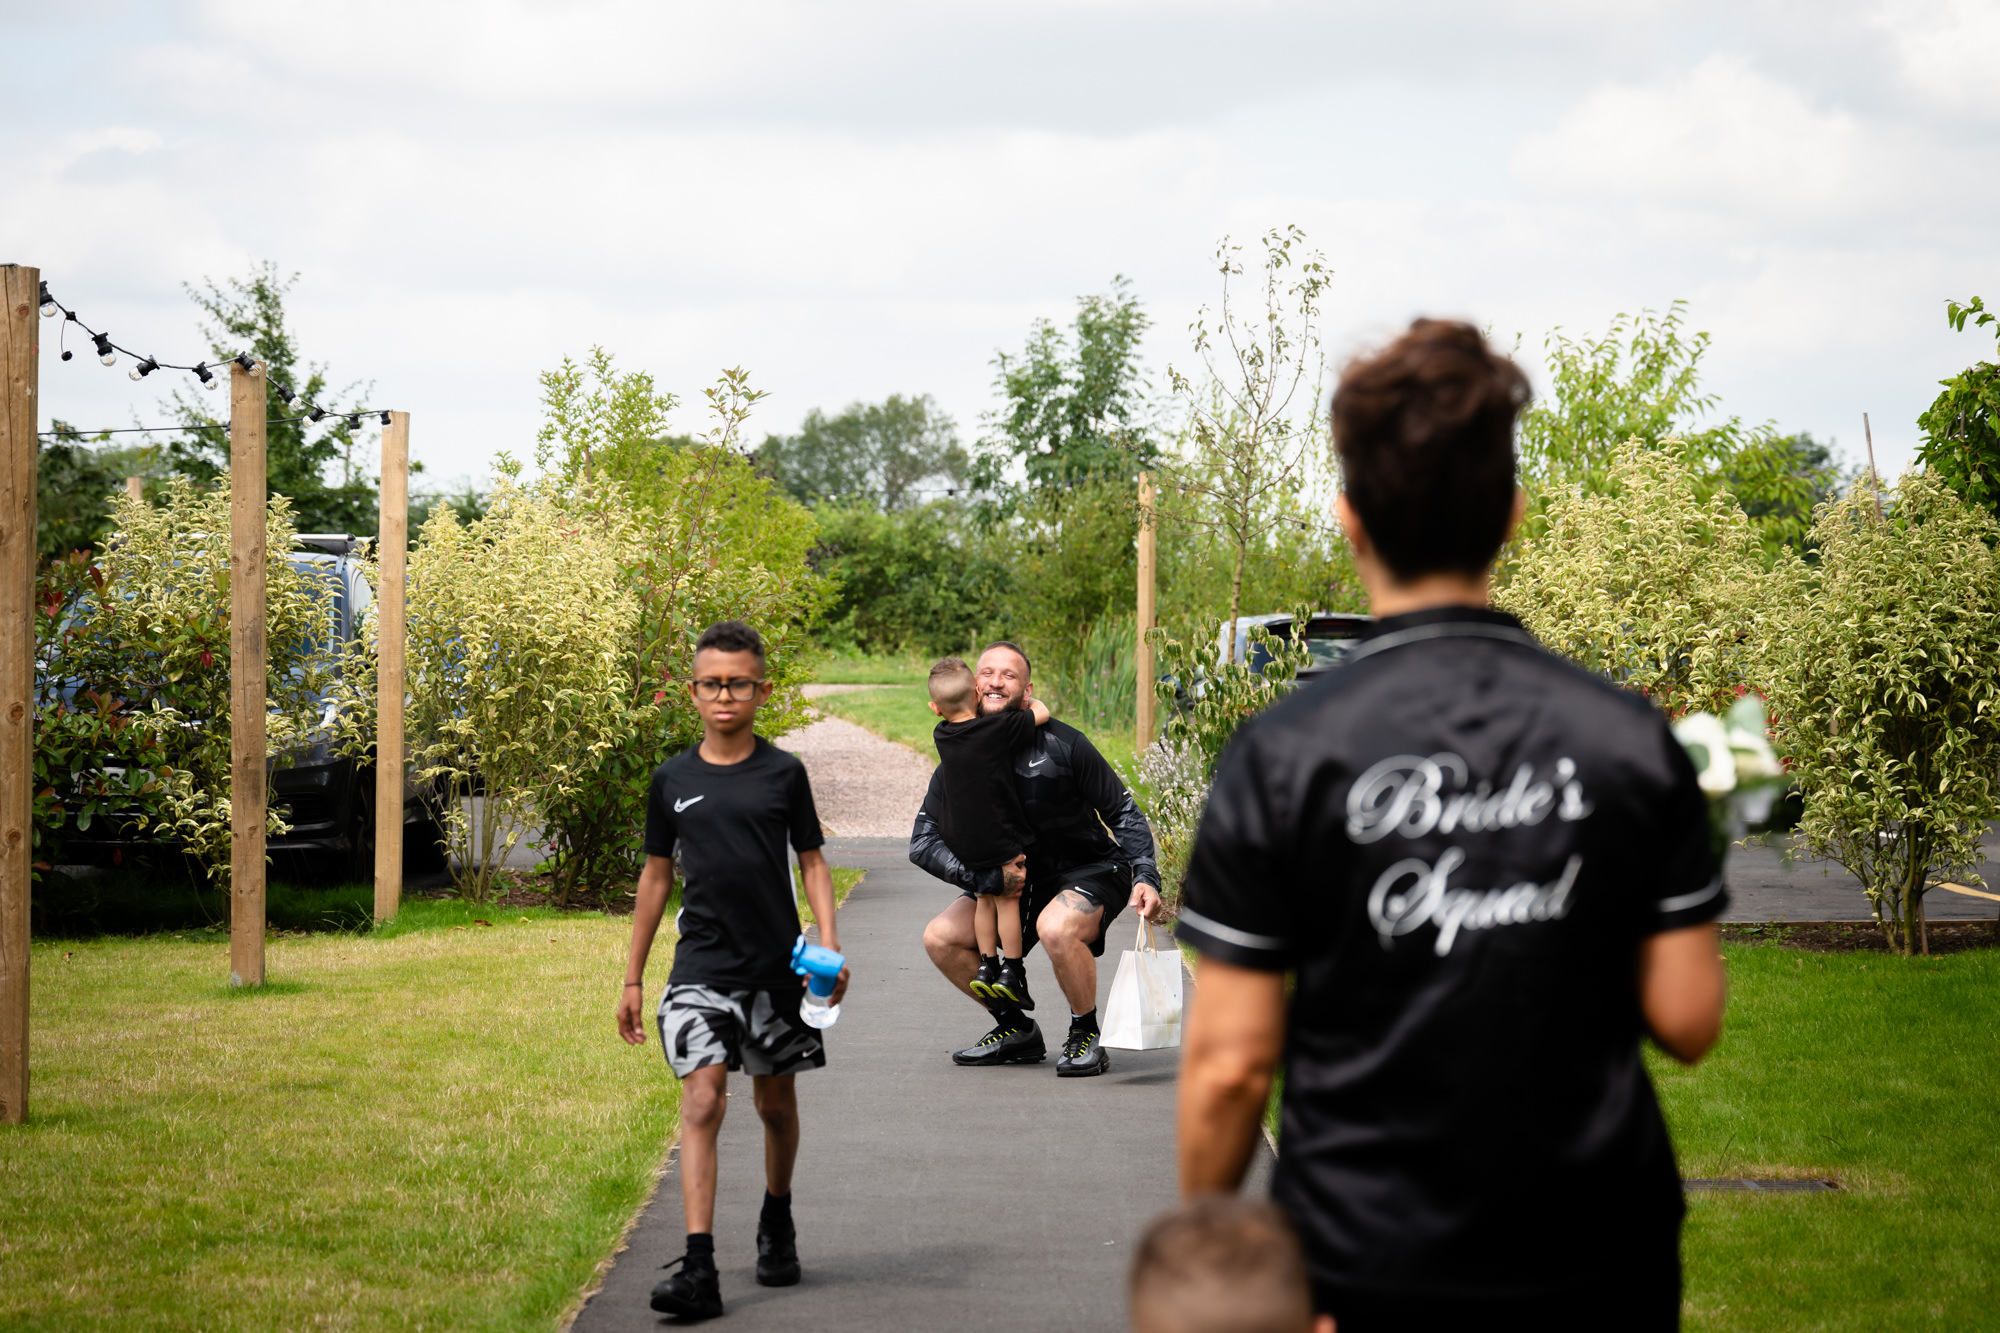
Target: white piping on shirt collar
{"points": [[1448, 629]]}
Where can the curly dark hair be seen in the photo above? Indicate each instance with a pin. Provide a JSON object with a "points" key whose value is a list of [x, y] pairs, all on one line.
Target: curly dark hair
{"points": [[1425, 433], [732, 636]]}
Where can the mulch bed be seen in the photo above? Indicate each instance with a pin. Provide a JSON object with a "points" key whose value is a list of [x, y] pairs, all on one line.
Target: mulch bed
{"points": [[1860, 937], [515, 888]]}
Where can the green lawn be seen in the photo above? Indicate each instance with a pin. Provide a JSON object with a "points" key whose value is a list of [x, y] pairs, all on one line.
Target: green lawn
{"points": [[1878, 1072], [429, 1125], [902, 713], [852, 669], [1882, 1073]]}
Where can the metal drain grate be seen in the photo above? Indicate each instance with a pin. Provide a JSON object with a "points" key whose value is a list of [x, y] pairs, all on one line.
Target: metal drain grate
{"points": [[1739, 1186]]}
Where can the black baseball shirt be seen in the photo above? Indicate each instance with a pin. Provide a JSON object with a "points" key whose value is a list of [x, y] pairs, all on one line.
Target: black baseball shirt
{"points": [[727, 825], [1459, 841]]}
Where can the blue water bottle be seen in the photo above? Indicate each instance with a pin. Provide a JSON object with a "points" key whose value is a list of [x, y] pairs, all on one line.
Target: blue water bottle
{"points": [[821, 969]]}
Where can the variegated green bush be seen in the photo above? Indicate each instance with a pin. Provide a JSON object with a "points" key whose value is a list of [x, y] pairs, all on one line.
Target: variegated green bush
{"points": [[132, 682], [519, 639], [1649, 584], [1886, 691]]}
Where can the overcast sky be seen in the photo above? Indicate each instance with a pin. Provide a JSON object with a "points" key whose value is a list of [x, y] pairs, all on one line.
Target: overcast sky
{"points": [[858, 199]]}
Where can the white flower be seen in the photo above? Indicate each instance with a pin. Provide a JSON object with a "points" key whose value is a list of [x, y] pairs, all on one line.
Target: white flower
{"points": [[1706, 740]]}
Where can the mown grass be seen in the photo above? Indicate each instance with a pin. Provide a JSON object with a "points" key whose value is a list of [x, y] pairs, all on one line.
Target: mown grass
{"points": [[1882, 1073], [1879, 1072], [844, 880], [430, 1127], [855, 669]]}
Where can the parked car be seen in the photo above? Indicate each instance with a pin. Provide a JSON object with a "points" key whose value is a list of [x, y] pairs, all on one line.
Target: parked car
{"points": [[326, 797], [1329, 634]]}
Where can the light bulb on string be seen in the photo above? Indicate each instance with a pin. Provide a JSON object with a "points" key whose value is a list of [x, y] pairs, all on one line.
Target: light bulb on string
{"points": [[106, 353], [144, 368], [49, 306]]}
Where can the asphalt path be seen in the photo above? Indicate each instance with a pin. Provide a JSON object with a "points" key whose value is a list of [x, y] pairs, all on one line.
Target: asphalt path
{"points": [[1766, 885], [929, 1196]]}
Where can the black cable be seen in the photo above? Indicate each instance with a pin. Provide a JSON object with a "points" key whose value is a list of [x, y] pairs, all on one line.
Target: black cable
{"points": [[167, 430], [204, 371]]}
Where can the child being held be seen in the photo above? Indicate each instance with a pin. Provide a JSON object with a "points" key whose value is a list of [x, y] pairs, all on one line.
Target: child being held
{"points": [[983, 823]]}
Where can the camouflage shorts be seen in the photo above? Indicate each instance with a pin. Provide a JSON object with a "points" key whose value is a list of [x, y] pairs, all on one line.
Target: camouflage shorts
{"points": [[756, 1031]]}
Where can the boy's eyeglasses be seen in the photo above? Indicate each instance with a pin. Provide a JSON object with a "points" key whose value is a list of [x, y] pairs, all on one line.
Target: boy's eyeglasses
{"points": [[708, 691]]}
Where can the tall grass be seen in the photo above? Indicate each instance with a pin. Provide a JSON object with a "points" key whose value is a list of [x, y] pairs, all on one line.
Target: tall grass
{"points": [[1087, 679]]}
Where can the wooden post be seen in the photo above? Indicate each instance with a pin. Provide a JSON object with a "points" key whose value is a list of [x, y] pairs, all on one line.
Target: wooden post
{"points": [[393, 548], [19, 345], [135, 487], [247, 507], [1143, 658], [1874, 478]]}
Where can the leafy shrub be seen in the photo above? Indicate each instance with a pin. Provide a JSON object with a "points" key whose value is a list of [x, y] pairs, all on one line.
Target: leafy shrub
{"points": [[1647, 583], [519, 635], [711, 540], [1174, 777], [1962, 425], [132, 684], [1092, 683], [919, 579], [1886, 690]]}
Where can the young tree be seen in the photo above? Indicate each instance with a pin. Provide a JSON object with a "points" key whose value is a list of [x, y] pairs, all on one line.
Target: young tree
{"points": [[872, 453], [1653, 582], [74, 486], [248, 314], [1254, 443], [1073, 409], [714, 540], [1885, 689], [1961, 444]]}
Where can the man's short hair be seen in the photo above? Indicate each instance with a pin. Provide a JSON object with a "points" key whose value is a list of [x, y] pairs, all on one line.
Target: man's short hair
{"points": [[1425, 433], [951, 685], [1027, 670], [1220, 1263], [732, 636]]}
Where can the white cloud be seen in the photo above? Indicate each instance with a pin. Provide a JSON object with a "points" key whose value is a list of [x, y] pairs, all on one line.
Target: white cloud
{"points": [[1947, 51], [1722, 137]]}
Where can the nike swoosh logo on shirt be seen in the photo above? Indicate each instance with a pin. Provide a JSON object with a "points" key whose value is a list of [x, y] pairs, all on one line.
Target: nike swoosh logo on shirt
{"points": [[1033, 762], [682, 805]]}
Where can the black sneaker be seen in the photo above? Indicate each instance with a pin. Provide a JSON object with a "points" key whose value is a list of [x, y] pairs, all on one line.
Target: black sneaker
{"points": [[777, 1258], [1013, 983], [1007, 1044], [1082, 1056], [693, 1293], [982, 981]]}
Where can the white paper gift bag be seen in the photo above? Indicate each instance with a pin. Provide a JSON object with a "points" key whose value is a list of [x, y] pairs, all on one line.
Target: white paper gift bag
{"points": [[1144, 1011]]}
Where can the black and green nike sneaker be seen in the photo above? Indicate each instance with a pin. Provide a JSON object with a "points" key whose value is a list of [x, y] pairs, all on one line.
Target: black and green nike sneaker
{"points": [[1011, 1043], [1082, 1055], [1013, 984]]}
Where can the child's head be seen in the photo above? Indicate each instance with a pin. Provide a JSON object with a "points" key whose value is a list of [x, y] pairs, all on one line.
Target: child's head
{"points": [[1221, 1264], [1425, 433], [728, 679], [952, 697]]}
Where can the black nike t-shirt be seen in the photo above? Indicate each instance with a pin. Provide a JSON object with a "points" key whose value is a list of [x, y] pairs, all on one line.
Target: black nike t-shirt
{"points": [[727, 825], [984, 825], [1459, 842]]}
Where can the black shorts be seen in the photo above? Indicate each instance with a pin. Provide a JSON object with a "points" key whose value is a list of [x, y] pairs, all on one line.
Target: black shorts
{"points": [[756, 1031], [1108, 884]]}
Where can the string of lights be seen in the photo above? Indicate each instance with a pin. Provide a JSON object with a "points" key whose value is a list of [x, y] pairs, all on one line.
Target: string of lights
{"points": [[78, 433], [204, 371]]}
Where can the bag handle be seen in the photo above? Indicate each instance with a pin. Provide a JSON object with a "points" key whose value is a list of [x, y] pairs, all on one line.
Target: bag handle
{"points": [[1144, 942]]}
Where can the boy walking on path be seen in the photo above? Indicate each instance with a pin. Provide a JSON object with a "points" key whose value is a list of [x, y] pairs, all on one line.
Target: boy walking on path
{"points": [[1491, 875], [726, 810]]}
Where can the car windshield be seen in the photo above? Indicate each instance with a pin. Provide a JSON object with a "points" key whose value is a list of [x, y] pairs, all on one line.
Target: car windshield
{"points": [[1327, 643]]}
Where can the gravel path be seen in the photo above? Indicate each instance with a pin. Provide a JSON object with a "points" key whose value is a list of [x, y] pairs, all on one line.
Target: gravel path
{"points": [[865, 787]]}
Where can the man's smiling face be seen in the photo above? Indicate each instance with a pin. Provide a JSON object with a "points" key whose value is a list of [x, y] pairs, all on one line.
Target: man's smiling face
{"points": [[1001, 680]]}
